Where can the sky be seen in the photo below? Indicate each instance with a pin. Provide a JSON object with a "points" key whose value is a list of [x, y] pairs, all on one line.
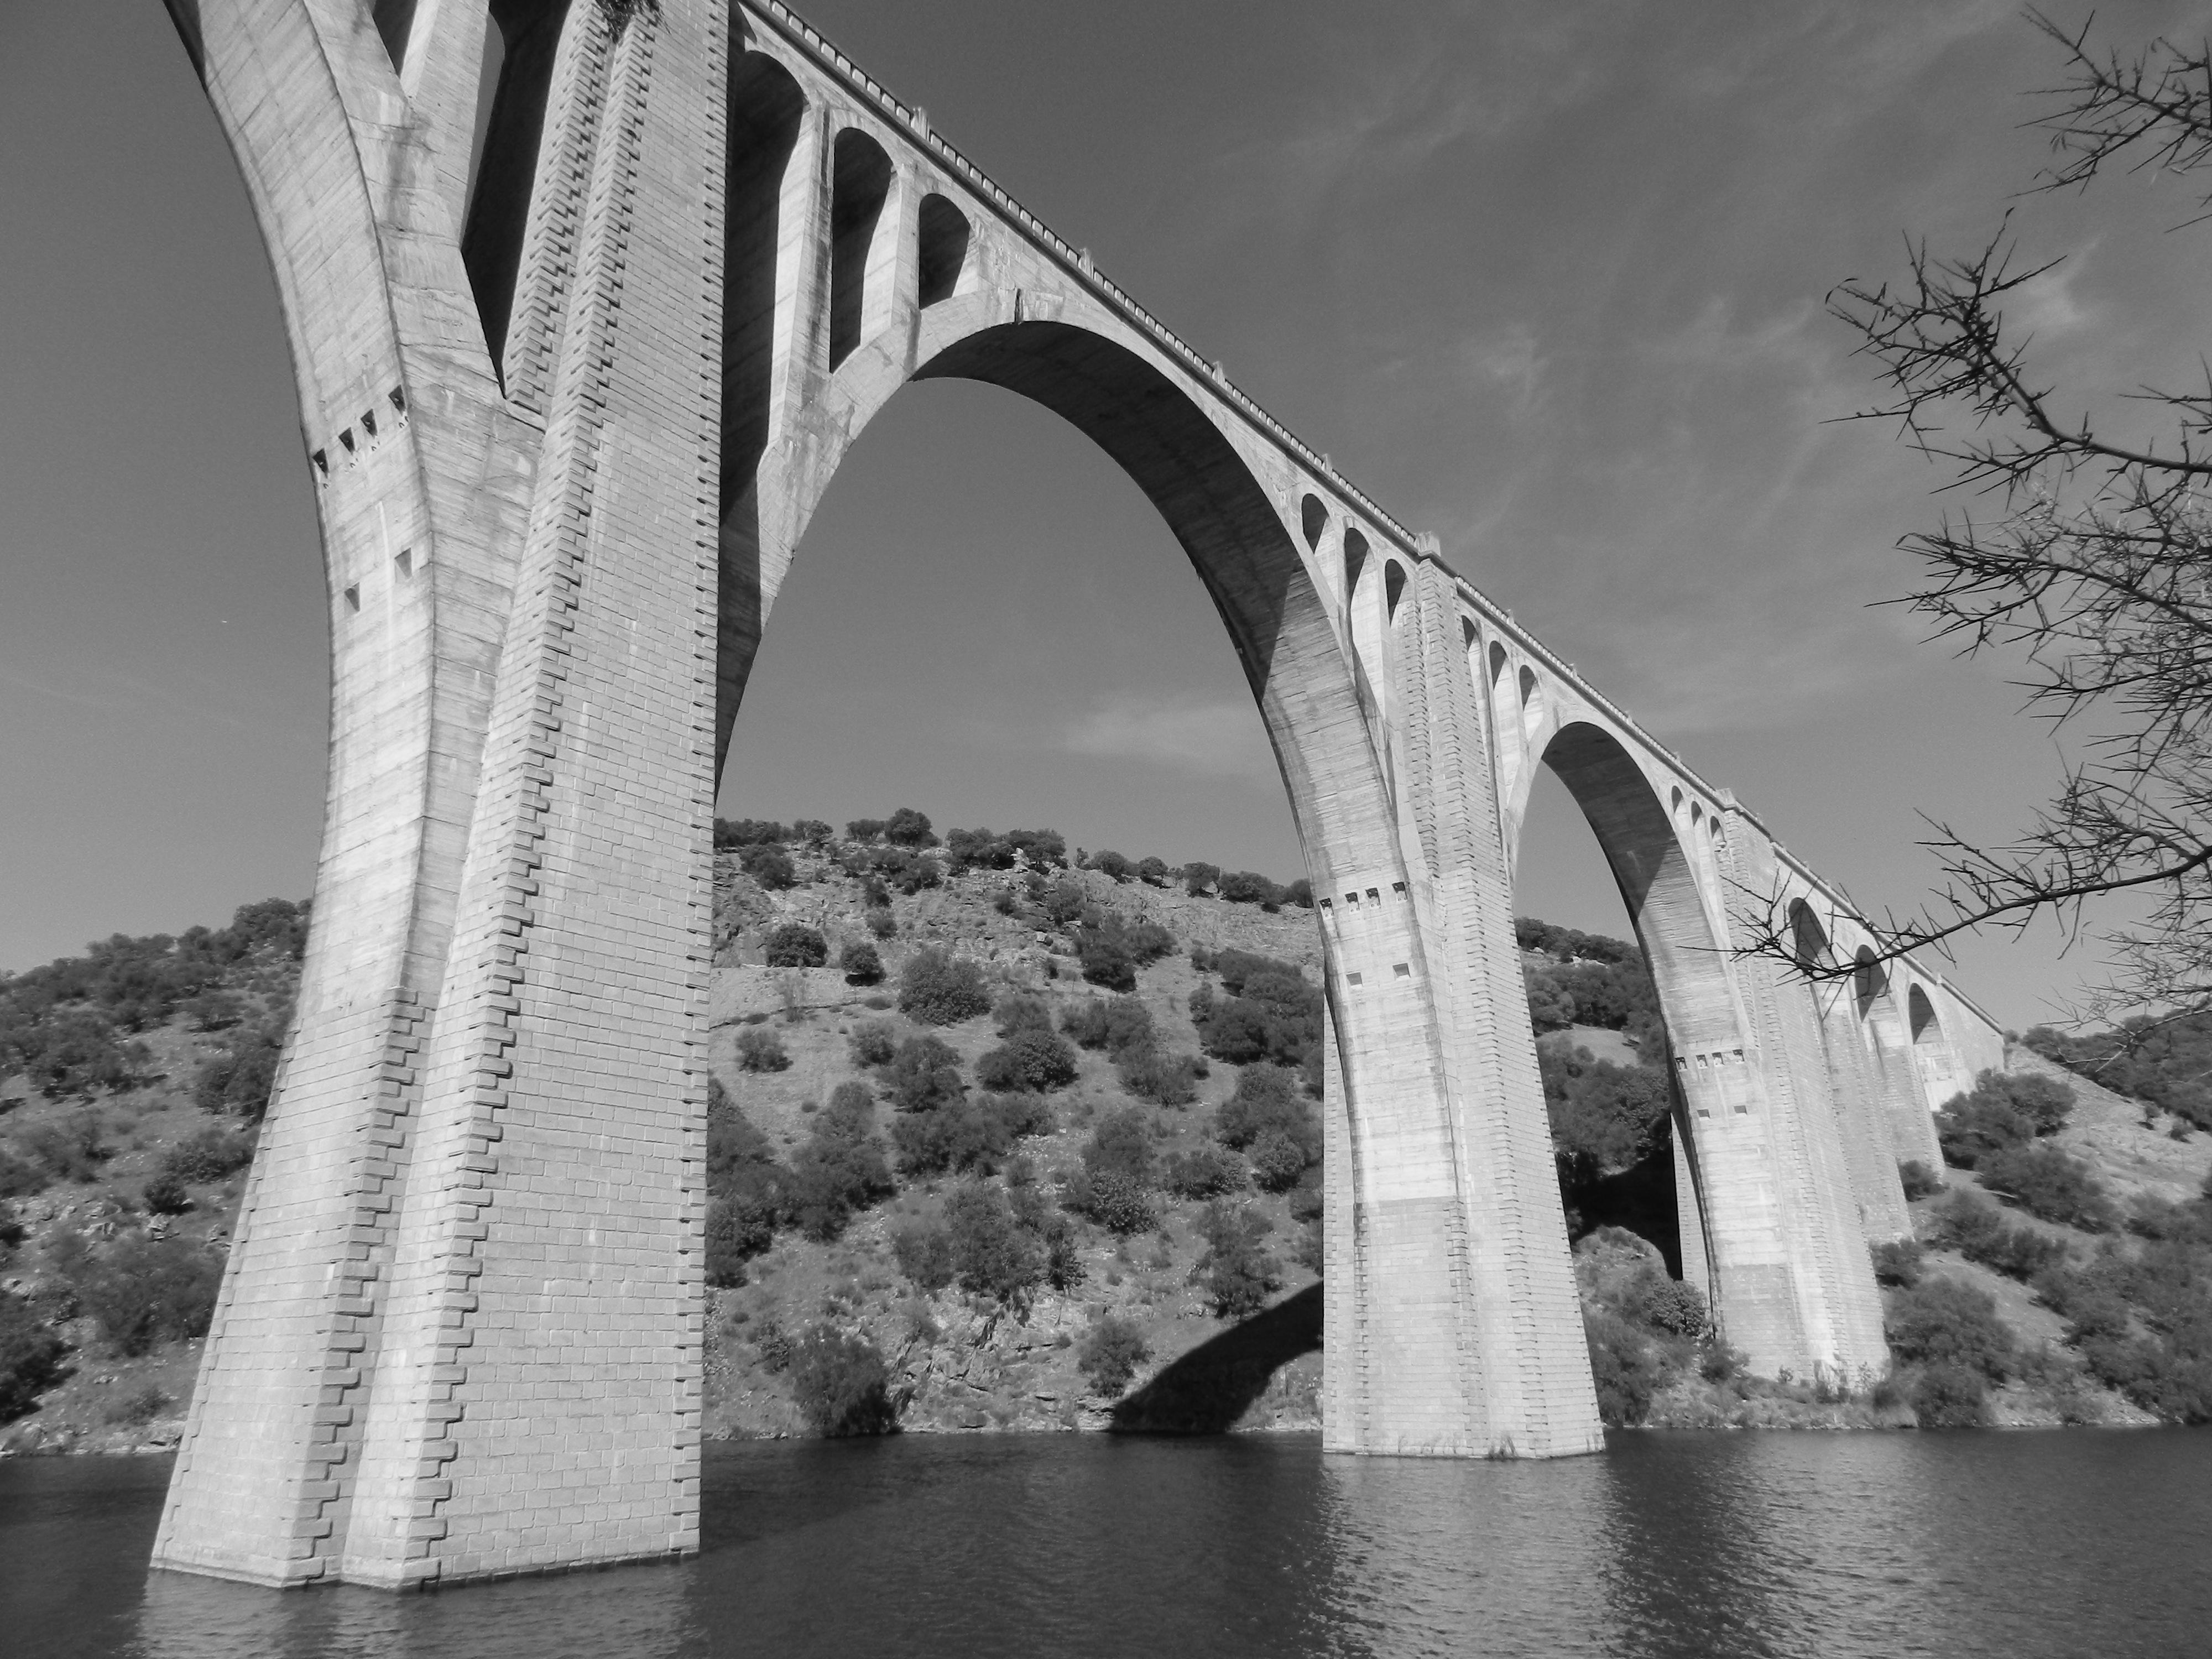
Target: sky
{"points": [[1544, 277]]}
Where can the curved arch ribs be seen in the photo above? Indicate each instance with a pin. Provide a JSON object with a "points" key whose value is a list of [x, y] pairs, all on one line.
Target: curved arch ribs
{"points": [[568, 404]]}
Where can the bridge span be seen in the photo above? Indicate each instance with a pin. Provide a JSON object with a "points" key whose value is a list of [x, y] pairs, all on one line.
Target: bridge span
{"points": [[569, 397]]}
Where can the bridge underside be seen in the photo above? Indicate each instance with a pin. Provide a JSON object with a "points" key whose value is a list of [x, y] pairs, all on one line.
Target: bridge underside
{"points": [[566, 435]]}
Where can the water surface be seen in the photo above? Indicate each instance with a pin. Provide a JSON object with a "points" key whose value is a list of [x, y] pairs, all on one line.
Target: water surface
{"points": [[2022, 1545]]}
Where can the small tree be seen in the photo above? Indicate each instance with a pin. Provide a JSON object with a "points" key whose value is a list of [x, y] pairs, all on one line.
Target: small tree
{"points": [[1197, 878], [908, 828], [760, 1049], [769, 864], [839, 1380], [1110, 1352], [1236, 1274], [795, 945], [938, 989], [861, 963]]}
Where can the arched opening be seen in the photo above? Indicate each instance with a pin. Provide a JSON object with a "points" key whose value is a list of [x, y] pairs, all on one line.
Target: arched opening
{"points": [[943, 250], [1864, 1123], [505, 166], [1532, 707], [1355, 561], [1616, 1020], [1897, 1070], [860, 183], [765, 109], [395, 22], [1394, 589], [1313, 519], [922, 645], [1942, 1076]]}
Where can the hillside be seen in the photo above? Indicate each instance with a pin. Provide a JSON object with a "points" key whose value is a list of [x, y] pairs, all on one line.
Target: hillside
{"points": [[1072, 1182]]}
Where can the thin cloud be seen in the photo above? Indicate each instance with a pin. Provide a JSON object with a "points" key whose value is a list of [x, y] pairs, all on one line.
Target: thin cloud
{"points": [[1207, 737]]}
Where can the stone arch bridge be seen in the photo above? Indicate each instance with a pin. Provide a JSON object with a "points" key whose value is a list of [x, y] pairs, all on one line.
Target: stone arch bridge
{"points": [[569, 393]]}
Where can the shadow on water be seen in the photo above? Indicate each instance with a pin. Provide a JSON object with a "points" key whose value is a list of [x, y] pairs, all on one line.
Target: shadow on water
{"points": [[1207, 1390]]}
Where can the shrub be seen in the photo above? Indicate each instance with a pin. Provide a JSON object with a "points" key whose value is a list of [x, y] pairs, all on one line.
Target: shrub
{"points": [[1918, 1180], [924, 1254], [1606, 1119], [146, 1291], [923, 1075], [1277, 1161], [2053, 1184], [770, 867], [1152, 871], [760, 1049], [1114, 1201], [860, 964], [991, 1255], [1019, 1011], [1205, 1171], [164, 1195], [2000, 1111], [748, 833], [240, 1079], [941, 990], [1163, 1079], [1947, 1396], [1116, 1024], [1267, 1099], [68, 1150], [813, 831], [873, 1041], [881, 924], [1106, 961], [1236, 1273], [1121, 1144], [1112, 865], [908, 828], [1977, 1230], [19, 1179], [738, 1228], [30, 1357], [839, 1380], [1247, 887], [1198, 878], [1271, 1013], [1110, 1352], [1029, 1060], [1941, 1321], [1898, 1262], [1669, 1305], [795, 945], [830, 1177], [1626, 1371], [208, 1155], [865, 830], [968, 1135]]}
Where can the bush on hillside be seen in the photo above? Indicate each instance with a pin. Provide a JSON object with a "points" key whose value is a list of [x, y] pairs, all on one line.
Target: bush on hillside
{"points": [[70, 1150], [1626, 1368], [924, 1254], [1669, 1305], [795, 945], [760, 1049], [733, 833], [1605, 1118], [1269, 1099], [1976, 1229], [1033, 1060], [882, 924], [840, 1381], [1110, 1352], [1163, 1078], [1119, 1203], [1941, 1321], [1121, 1144], [992, 1254], [1152, 871], [209, 1155], [2053, 1184], [144, 1290], [19, 1179], [771, 867], [1949, 1395], [860, 963], [908, 828], [1020, 1011], [969, 1135], [872, 1043], [1112, 865], [164, 1195], [1236, 1274], [923, 1075], [240, 1079], [70, 1052], [1115, 1024], [908, 871], [813, 831], [938, 989], [1277, 1162], [2165, 1059], [1918, 1180], [1270, 1012], [738, 1228], [1897, 1262], [865, 830], [2000, 1111], [1198, 878], [1205, 1171], [30, 1357]]}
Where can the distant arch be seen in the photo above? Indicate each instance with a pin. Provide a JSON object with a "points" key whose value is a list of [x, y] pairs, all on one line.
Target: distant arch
{"points": [[1532, 705], [765, 109], [1355, 561], [1313, 519], [1394, 588]]}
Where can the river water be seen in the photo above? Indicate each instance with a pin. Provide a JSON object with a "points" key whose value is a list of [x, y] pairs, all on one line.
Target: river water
{"points": [[2024, 1545]]}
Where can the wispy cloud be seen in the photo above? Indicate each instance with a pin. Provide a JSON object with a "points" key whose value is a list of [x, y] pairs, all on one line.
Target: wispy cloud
{"points": [[1207, 737]]}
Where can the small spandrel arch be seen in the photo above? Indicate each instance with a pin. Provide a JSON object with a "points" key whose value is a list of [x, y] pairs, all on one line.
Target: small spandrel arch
{"points": [[1808, 940], [1869, 980], [1313, 519], [1394, 588], [942, 249], [1355, 561], [860, 183]]}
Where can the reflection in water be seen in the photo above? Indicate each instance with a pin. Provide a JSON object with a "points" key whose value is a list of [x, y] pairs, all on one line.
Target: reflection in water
{"points": [[2036, 1546]]}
